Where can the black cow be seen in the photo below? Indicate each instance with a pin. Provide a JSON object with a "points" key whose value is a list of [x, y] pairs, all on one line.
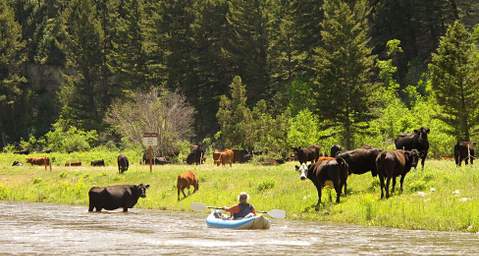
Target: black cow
{"points": [[334, 170], [97, 162], [196, 155], [303, 155], [335, 150], [114, 197], [464, 150], [395, 163], [22, 152], [361, 160], [416, 140], [241, 156], [123, 163]]}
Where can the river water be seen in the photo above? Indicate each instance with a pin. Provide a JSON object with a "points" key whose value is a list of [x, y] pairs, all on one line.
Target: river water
{"points": [[47, 229]]}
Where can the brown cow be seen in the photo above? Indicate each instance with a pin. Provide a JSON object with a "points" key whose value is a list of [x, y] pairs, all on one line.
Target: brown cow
{"points": [[185, 180], [45, 161], [225, 157], [73, 163], [395, 163]]}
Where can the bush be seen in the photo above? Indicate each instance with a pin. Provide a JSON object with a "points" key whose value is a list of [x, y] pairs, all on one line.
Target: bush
{"points": [[69, 140], [265, 185]]}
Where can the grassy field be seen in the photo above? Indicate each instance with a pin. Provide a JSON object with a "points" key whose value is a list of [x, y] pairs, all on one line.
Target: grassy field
{"points": [[443, 198]]}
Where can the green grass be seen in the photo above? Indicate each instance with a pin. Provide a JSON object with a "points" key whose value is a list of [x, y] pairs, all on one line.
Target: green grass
{"points": [[270, 187]]}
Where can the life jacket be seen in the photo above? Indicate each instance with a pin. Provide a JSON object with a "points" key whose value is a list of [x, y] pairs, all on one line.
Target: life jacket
{"points": [[245, 209]]}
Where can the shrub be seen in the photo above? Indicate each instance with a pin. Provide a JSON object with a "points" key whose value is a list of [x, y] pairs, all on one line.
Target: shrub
{"points": [[69, 140], [265, 185]]}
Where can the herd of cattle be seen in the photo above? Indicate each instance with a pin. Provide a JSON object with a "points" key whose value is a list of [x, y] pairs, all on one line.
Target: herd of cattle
{"points": [[321, 169]]}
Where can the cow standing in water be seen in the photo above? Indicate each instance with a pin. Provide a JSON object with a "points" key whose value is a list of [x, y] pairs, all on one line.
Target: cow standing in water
{"points": [[416, 140], [123, 164], [114, 197], [464, 150], [185, 180]]}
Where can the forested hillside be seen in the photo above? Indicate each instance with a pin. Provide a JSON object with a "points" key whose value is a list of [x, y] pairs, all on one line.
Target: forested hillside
{"points": [[352, 72]]}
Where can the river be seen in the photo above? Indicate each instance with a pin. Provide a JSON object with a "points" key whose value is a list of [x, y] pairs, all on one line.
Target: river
{"points": [[48, 229]]}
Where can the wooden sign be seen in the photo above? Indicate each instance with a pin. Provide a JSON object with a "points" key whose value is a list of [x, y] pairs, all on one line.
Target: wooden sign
{"points": [[150, 139]]}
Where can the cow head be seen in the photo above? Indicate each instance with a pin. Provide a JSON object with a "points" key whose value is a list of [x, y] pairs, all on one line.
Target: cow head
{"points": [[142, 189], [422, 133], [303, 170], [412, 157]]}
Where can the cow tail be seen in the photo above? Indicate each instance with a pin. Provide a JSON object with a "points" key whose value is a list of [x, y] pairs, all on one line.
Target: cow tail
{"points": [[379, 163], [468, 152], [220, 160]]}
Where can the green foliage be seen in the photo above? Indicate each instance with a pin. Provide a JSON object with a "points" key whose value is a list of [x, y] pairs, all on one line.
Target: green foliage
{"points": [[265, 185], [234, 116], [300, 97], [303, 129], [344, 65], [70, 139], [12, 58], [454, 77]]}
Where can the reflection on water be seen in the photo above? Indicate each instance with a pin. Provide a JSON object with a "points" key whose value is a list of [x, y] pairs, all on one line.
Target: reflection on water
{"points": [[46, 229]]}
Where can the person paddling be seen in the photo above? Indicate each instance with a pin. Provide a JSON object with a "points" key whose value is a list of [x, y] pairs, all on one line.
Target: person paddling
{"points": [[242, 209]]}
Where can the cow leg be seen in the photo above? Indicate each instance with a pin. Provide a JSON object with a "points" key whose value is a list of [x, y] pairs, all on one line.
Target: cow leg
{"points": [[337, 187], [318, 204], [394, 185], [125, 209], [466, 160], [345, 184], [98, 209], [423, 160], [381, 182], [183, 192], [178, 194], [91, 205], [402, 181], [472, 159], [388, 180]]}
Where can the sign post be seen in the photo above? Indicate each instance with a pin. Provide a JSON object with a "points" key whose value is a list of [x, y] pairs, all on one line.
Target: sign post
{"points": [[150, 140]]}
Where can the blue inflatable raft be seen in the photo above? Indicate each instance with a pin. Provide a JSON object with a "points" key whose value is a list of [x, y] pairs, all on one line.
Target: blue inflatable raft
{"points": [[252, 222]]}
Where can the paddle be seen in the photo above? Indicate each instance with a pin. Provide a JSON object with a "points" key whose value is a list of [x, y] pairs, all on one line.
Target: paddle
{"points": [[275, 213]]}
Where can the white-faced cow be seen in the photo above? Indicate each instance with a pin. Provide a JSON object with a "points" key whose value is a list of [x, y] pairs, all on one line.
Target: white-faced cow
{"points": [[333, 170], [416, 140], [114, 197]]}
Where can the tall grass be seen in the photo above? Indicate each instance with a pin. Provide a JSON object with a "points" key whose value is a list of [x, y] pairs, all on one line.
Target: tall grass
{"points": [[430, 200]]}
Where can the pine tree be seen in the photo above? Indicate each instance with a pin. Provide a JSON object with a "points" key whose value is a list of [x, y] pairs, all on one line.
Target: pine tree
{"points": [[11, 78], [213, 65], [129, 45], [234, 116], [306, 16], [344, 66], [453, 73], [248, 45], [84, 108]]}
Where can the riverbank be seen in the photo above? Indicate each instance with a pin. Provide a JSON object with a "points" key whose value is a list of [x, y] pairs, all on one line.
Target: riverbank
{"points": [[444, 198]]}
